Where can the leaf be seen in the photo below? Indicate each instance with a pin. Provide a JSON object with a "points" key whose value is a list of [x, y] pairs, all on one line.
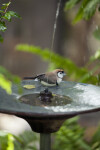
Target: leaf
{"points": [[6, 80], [13, 78], [25, 140], [80, 13], [14, 14], [70, 4], [90, 9], [10, 142], [86, 10], [2, 26], [96, 33], [71, 136], [95, 142], [6, 141], [96, 56], [5, 5], [1, 11], [8, 15], [5, 84], [75, 72], [1, 38], [29, 86]]}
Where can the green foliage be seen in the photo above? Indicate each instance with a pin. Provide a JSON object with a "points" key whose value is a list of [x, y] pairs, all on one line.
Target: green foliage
{"points": [[6, 79], [95, 142], [6, 16], [6, 141], [5, 6], [25, 141], [96, 56], [81, 74], [2, 26], [90, 9], [70, 4], [5, 84], [71, 136], [86, 10]]}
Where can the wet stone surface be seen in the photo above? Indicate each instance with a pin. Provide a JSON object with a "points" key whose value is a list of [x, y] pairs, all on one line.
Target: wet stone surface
{"points": [[68, 98]]}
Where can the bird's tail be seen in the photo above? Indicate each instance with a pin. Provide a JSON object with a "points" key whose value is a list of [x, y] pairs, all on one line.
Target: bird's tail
{"points": [[29, 78], [34, 77]]}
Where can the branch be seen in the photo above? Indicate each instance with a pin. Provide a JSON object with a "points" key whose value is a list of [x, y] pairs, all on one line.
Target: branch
{"points": [[7, 6]]}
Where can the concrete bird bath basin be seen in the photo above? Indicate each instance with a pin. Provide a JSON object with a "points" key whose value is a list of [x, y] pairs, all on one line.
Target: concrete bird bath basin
{"points": [[47, 115]]}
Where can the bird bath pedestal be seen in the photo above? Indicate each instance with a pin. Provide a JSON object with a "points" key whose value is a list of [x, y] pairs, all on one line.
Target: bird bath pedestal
{"points": [[45, 111]]}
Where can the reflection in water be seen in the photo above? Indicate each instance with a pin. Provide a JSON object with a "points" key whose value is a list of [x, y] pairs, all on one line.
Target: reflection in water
{"points": [[35, 100]]}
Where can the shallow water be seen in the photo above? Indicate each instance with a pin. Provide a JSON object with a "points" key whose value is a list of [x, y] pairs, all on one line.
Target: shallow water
{"points": [[70, 98], [82, 96]]}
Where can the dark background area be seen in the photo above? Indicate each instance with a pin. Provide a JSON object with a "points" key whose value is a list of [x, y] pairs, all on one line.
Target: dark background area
{"points": [[36, 28]]}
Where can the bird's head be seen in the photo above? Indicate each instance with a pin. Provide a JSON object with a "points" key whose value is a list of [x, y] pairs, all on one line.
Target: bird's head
{"points": [[60, 73]]}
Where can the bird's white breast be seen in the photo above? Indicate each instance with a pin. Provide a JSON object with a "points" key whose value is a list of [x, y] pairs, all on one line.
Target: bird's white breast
{"points": [[47, 84], [59, 80]]}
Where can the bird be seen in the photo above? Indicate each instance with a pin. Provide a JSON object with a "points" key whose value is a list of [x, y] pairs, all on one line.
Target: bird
{"points": [[52, 78]]}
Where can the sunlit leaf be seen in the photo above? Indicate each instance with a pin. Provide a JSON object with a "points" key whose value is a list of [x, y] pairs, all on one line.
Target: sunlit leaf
{"points": [[6, 80], [5, 5], [5, 84], [95, 56], [6, 141], [10, 142], [15, 79]]}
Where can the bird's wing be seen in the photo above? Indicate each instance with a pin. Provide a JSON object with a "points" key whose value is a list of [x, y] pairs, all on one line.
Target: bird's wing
{"points": [[50, 78], [40, 76], [34, 77]]}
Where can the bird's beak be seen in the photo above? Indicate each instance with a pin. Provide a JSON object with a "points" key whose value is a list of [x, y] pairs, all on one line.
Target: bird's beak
{"points": [[64, 74]]}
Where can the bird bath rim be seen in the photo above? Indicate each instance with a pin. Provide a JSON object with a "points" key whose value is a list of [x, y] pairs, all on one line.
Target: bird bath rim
{"points": [[44, 120], [46, 113], [50, 116]]}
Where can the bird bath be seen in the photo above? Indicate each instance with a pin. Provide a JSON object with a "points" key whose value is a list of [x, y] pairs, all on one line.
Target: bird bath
{"points": [[46, 116]]}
